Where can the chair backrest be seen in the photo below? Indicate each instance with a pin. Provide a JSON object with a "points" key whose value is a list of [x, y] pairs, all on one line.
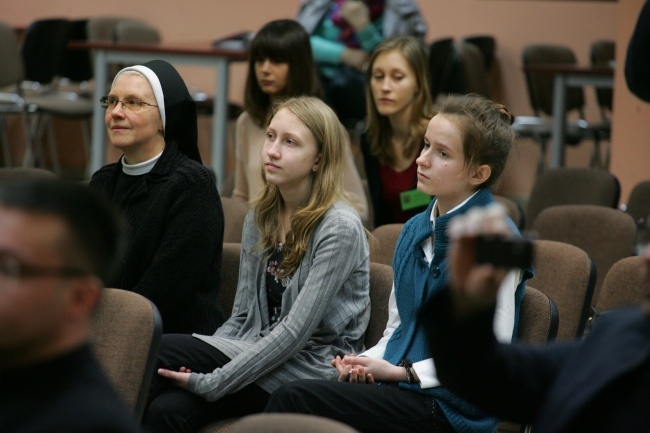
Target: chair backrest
{"points": [[538, 318], [24, 172], [126, 332], [606, 234], [567, 275], [135, 31], [538, 324], [602, 52], [487, 45], [76, 64], [472, 69], [638, 204], [44, 46], [623, 284], [513, 210], [540, 85], [381, 283], [234, 213], [572, 186], [441, 64], [102, 28], [382, 247], [229, 276], [11, 63], [288, 423]]}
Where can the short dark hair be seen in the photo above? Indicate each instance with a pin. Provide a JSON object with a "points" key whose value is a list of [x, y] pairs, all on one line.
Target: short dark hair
{"points": [[283, 41], [96, 230]]}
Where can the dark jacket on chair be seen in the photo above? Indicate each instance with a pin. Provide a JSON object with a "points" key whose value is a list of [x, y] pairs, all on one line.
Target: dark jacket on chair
{"points": [[601, 383], [175, 240]]}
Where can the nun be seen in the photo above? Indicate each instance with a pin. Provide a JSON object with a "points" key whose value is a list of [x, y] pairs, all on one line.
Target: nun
{"points": [[169, 198]]}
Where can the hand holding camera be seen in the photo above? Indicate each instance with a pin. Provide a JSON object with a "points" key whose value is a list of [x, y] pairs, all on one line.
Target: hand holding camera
{"points": [[484, 249]]}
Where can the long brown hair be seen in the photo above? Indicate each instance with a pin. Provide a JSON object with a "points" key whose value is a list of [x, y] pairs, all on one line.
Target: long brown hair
{"points": [[378, 126], [325, 187]]}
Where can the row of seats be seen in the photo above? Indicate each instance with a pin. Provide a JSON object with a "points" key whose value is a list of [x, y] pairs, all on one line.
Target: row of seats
{"points": [[466, 66], [562, 269], [558, 299]]}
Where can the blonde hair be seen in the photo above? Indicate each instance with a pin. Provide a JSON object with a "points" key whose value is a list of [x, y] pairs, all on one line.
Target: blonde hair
{"points": [[377, 126], [325, 188]]}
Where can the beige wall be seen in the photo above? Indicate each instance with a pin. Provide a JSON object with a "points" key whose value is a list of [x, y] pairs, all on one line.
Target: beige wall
{"points": [[631, 126], [513, 23]]}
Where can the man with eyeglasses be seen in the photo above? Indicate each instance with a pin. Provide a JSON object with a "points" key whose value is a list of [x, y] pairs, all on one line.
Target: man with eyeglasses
{"points": [[58, 241]]}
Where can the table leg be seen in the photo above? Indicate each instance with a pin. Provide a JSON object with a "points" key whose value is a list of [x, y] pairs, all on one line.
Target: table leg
{"points": [[559, 121], [98, 132], [220, 124]]}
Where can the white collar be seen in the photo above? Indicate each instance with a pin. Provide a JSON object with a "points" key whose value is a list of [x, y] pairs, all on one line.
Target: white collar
{"points": [[141, 167]]}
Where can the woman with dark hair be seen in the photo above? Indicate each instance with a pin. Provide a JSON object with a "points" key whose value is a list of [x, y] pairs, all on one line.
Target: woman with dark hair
{"points": [[302, 295], [169, 198], [399, 108], [280, 66]]}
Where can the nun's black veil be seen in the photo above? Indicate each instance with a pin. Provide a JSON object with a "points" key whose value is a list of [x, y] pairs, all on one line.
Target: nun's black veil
{"points": [[180, 109]]}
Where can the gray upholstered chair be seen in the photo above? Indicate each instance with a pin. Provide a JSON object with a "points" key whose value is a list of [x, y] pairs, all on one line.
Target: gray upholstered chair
{"points": [[18, 172], [382, 247], [229, 275], [538, 324], [513, 210], [234, 213], [606, 234], [567, 275], [623, 284], [572, 186], [126, 332], [288, 423], [638, 204]]}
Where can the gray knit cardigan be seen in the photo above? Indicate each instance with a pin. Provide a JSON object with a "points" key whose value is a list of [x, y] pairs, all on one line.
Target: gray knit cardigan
{"points": [[325, 310]]}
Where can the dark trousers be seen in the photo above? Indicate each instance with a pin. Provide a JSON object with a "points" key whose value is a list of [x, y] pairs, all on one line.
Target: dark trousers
{"points": [[173, 409], [367, 408]]}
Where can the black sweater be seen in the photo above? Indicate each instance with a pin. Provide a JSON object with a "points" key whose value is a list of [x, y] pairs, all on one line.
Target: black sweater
{"points": [[175, 240]]}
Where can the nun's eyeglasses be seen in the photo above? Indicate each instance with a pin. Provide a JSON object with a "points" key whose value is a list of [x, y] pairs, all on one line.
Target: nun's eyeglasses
{"points": [[131, 104]]}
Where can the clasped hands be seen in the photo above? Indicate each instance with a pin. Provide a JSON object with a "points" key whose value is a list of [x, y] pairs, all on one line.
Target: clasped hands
{"points": [[366, 370]]}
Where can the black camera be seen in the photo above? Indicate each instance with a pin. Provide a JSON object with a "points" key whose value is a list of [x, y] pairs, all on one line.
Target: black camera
{"points": [[505, 252]]}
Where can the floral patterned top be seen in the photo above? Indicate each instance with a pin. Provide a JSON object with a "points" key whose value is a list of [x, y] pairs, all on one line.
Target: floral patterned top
{"points": [[275, 285]]}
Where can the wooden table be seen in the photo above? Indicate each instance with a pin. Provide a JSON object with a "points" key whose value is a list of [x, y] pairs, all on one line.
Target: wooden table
{"points": [[200, 54], [568, 76]]}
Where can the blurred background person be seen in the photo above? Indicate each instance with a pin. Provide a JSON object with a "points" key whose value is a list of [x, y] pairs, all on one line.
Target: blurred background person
{"points": [[343, 35]]}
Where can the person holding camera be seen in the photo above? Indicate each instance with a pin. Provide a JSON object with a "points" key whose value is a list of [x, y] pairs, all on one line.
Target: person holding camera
{"points": [[465, 150], [601, 383]]}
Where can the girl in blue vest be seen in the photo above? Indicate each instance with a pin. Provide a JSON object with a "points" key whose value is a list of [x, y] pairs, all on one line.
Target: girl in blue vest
{"points": [[465, 150]]}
